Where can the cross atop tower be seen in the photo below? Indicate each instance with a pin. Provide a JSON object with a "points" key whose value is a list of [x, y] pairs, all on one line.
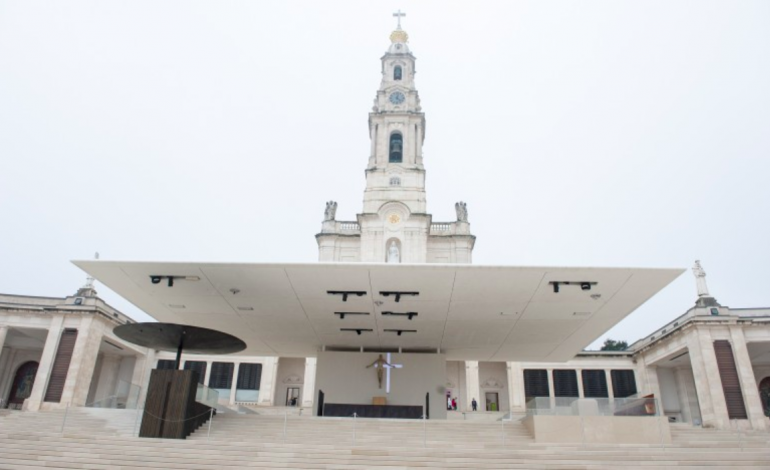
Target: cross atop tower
{"points": [[398, 15]]}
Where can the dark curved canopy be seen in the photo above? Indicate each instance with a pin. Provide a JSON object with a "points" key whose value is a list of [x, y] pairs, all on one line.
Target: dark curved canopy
{"points": [[168, 336]]}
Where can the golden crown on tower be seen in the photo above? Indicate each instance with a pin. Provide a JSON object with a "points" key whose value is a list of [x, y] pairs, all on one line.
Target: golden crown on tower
{"points": [[399, 35]]}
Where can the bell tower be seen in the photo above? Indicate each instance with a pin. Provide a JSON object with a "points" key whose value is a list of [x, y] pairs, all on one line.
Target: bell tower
{"points": [[394, 225], [396, 131]]}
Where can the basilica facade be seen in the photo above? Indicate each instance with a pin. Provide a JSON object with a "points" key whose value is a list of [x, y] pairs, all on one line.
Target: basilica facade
{"points": [[709, 366]]}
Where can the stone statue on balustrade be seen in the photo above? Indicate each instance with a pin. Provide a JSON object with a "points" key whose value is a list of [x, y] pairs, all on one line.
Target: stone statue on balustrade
{"points": [[704, 298], [331, 210], [700, 279], [462, 212]]}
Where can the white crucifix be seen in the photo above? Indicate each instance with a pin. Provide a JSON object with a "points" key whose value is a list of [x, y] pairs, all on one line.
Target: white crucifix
{"points": [[398, 15], [384, 365]]}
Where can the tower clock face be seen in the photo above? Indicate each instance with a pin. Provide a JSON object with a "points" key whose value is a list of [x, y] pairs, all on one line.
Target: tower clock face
{"points": [[397, 97]]}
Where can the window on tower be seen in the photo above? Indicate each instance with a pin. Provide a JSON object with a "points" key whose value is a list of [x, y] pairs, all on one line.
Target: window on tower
{"points": [[397, 73], [396, 148]]}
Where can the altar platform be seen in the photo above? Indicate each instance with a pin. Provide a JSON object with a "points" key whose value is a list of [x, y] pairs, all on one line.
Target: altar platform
{"points": [[373, 411]]}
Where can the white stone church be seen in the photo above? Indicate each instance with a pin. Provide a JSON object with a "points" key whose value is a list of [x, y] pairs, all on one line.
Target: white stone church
{"points": [[394, 283]]}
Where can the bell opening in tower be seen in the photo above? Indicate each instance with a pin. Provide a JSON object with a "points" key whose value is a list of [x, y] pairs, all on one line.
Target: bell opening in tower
{"points": [[397, 73], [396, 148]]}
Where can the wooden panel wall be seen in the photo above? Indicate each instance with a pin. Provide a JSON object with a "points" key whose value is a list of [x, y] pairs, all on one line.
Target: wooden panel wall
{"points": [[61, 365], [731, 385]]}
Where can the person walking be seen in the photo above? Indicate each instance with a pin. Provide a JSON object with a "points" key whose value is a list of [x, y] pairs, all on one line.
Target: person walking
{"points": [[454, 404], [474, 404]]}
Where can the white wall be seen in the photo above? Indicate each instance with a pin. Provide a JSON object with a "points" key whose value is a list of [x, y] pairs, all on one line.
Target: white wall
{"points": [[291, 373], [493, 377], [668, 391], [344, 378]]}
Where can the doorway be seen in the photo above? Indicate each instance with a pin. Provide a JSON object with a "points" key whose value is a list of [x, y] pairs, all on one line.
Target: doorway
{"points": [[492, 401], [292, 396], [22, 384]]}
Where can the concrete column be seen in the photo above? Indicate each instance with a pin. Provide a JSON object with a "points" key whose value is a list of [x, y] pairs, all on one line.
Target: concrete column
{"points": [[269, 377], [472, 387], [516, 392], [708, 384], [142, 370], [748, 381], [308, 387], [4, 364], [579, 374], [610, 391], [207, 375], [234, 385], [7, 373], [46, 362], [3, 335], [83, 361]]}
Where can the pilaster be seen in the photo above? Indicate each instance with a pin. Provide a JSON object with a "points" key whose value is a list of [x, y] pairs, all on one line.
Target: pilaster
{"points": [[308, 386], [610, 390], [579, 375], [516, 392], [472, 385], [269, 377], [551, 390], [207, 375], [234, 385]]}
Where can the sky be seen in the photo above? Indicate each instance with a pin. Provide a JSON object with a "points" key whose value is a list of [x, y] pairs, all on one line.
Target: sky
{"points": [[591, 133]]}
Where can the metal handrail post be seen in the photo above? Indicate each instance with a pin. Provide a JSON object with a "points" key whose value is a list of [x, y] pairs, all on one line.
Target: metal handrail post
{"points": [[285, 419], [64, 421], [502, 429], [424, 431], [355, 415], [211, 418], [660, 431]]}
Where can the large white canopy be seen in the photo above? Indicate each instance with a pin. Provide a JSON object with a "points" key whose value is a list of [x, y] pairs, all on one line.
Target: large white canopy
{"points": [[470, 312]]}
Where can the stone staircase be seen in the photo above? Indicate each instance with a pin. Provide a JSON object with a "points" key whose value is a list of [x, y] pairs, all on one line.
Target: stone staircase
{"points": [[103, 439]]}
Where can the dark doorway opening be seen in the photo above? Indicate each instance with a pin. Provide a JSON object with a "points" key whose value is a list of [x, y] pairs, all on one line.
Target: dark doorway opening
{"points": [[22, 384]]}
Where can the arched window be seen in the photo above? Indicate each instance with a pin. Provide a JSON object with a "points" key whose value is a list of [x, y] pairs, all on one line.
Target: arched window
{"points": [[396, 148], [764, 395], [22, 384], [397, 73]]}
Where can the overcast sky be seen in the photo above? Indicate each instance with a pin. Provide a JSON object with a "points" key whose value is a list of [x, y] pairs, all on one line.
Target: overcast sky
{"points": [[591, 133]]}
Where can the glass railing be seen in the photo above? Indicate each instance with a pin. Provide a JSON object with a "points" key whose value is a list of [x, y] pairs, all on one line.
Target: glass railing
{"points": [[207, 396], [126, 396], [573, 406]]}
